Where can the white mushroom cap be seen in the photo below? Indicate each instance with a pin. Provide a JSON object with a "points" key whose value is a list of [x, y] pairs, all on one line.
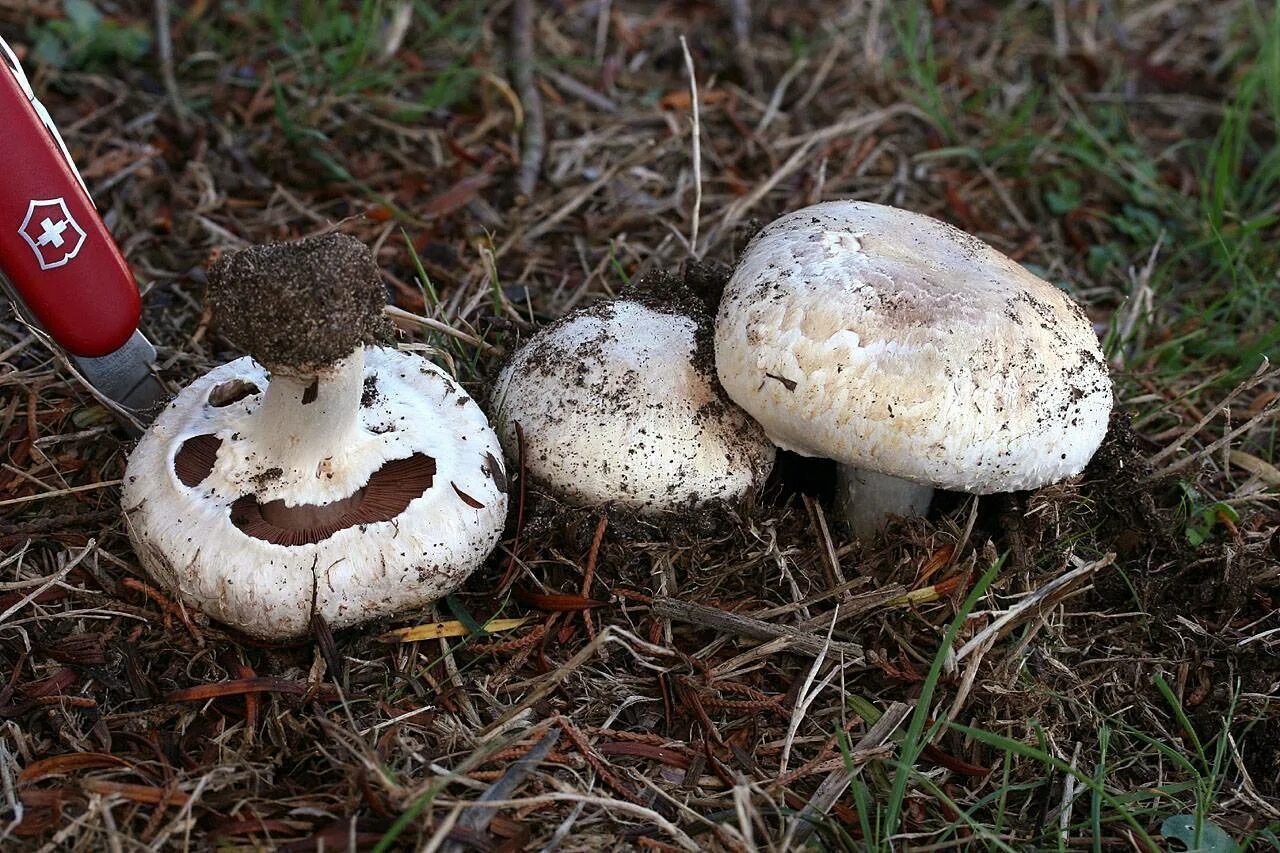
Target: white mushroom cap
{"points": [[618, 404], [207, 521], [892, 342]]}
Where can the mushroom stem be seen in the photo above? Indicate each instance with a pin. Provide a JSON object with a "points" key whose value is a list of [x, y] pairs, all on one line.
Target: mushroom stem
{"points": [[305, 420], [867, 499]]}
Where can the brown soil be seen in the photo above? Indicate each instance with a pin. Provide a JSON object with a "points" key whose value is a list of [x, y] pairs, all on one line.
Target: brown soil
{"points": [[300, 306], [127, 720]]}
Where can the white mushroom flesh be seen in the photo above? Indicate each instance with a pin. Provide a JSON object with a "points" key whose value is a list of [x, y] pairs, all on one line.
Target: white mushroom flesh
{"points": [[616, 408], [868, 500], [892, 342], [274, 445]]}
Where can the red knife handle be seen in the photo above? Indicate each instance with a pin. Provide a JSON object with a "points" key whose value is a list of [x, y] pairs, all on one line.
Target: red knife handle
{"points": [[54, 248]]}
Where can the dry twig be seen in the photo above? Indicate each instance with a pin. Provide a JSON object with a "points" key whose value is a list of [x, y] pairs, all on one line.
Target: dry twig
{"points": [[830, 791], [533, 135], [745, 626]]}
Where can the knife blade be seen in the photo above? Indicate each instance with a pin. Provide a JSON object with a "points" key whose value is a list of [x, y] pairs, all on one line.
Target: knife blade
{"points": [[58, 260]]}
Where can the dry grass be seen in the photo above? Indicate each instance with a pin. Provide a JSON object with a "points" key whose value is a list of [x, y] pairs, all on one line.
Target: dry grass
{"points": [[1111, 675]]}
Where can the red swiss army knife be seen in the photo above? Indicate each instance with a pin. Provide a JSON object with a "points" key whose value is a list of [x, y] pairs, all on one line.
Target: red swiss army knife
{"points": [[57, 258]]}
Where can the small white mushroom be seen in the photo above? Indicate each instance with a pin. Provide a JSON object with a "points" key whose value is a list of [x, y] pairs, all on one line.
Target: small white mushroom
{"points": [[911, 352], [348, 481], [618, 403]]}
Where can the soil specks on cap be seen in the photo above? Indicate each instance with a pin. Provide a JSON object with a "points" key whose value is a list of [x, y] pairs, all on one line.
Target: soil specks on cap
{"points": [[369, 395], [636, 376], [271, 474]]}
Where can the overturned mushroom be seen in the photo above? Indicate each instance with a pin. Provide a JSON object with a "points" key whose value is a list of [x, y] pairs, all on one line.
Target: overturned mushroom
{"points": [[618, 403], [327, 474], [912, 353]]}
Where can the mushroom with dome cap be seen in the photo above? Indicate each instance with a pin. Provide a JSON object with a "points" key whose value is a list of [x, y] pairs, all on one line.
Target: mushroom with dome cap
{"points": [[911, 353], [618, 403], [328, 473]]}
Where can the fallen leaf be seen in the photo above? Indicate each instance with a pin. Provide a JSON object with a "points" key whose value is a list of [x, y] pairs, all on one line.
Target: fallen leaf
{"points": [[1212, 838], [136, 793], [466, 498], [60, 765], [949, 761], [556, 602], [456, 196], [1260, 468], [239, 687], [452, 628], [682, 99]]}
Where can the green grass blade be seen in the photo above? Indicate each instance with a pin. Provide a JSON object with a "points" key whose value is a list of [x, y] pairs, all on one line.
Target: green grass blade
{"points": [[424, 281], [1176, 707], [1010, 745], [913, 744]]}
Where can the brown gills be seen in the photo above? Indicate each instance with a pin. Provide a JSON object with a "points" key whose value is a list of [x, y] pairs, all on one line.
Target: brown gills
{"points": [[194, 460], [388, 493]]}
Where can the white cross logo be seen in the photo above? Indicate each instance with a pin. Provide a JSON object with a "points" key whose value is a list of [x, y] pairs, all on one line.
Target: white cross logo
{"points": [[52, 233]]}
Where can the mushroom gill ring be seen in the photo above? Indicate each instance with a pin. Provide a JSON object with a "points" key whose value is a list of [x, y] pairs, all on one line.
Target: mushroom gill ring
{"points": [[388, 493]]}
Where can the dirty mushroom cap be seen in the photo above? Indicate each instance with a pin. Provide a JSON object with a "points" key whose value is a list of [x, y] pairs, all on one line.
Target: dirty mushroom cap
{"points": [[618, 403], [349, 487], [893, 342]]}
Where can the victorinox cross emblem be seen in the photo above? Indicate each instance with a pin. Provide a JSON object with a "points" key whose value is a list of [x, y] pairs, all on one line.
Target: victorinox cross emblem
{"points": [[52, 233], [91, 307]]}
